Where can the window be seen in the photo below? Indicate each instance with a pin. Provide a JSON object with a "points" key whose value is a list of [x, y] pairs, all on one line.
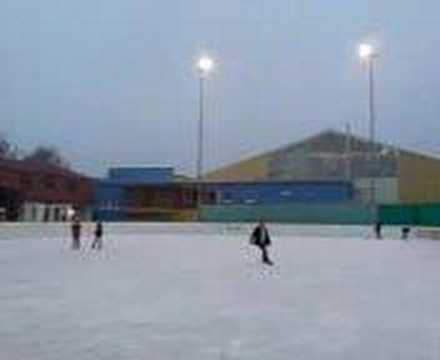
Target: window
{"points": [[250, 201], [226, 198], [46, 215], [211, 197], [34, 213], [57, 214]]}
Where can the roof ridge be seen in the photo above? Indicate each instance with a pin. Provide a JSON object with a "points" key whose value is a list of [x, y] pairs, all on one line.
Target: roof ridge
{"points": [[331, 131]]}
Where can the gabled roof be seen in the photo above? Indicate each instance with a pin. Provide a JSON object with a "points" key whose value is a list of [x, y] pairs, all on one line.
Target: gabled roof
{"points": [[355, 140]]}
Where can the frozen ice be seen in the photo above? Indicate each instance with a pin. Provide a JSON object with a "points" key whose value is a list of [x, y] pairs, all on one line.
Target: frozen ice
{"points": [[205, 295]]}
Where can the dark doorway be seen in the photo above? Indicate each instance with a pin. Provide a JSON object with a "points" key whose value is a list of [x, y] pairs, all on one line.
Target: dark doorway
{"points": [[11, 202]]}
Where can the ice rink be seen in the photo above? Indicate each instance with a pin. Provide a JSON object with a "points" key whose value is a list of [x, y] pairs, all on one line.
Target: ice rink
{"points": [[199, 293]]}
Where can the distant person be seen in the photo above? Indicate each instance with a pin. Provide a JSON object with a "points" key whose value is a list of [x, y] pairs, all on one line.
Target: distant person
{"points": [[260, 237], [405, 232], [97, 243], [378, 229], [76, 233]]}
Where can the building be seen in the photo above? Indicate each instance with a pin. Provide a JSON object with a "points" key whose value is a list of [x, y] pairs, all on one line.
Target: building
{"points": [[275, 192], [144, 194], [282, 201], [326, 178], [39, 192], [157, 194], [400, 176]]}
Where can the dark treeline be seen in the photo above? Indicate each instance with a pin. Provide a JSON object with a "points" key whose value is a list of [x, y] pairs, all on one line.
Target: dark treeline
{"points": [[42, 154]]}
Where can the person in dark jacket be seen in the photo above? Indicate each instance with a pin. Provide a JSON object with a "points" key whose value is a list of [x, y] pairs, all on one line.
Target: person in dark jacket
{"points": [[378, 229], [405, 232], [76, 233], [97, 243], [260, 237]]}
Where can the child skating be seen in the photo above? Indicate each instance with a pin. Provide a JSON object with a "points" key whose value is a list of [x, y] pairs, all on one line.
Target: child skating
{"points": [[97, 242], [76, 233]]}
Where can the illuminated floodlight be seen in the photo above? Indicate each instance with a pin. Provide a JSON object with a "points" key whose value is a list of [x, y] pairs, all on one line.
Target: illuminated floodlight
{"points": [[205, 65], [366, 51]]}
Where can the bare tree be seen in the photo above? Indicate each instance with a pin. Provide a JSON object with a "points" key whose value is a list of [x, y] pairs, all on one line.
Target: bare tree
{"points": [[7, 150], [47, 155]]}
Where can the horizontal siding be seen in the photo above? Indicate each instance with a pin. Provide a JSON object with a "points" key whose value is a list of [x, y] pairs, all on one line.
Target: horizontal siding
{"points": [[386, 190], [278, 193], [252, 169]]}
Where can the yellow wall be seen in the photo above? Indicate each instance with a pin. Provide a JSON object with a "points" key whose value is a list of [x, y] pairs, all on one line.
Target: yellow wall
{"points": [[419, 179], [252, 169], [419, 175], [184, 215]]}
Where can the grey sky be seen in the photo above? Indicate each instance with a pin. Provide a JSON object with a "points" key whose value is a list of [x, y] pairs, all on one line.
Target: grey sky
{"points": [[111, 82]]}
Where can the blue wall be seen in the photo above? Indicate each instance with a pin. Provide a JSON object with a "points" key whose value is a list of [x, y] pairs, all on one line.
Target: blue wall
{"points": [[108, 193], [141, 175], [109, 196], [280, 192], [109, 215]]}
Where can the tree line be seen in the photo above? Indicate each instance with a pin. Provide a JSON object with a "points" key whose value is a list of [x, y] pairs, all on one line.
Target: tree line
{"points": [[42, 154]]}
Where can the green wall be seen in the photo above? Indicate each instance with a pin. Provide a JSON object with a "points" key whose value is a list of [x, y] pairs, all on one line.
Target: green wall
{"points": [[348, 213], [425, 214], [291, 213]]}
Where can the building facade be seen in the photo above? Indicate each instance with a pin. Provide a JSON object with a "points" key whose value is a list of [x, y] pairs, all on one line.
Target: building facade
{"points": [[37, 192], [144, 194], [400, 176], [138, 195]]}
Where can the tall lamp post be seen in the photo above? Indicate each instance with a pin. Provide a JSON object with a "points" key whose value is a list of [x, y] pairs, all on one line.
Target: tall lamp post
{"points": [[368, 54], [205, 65]]}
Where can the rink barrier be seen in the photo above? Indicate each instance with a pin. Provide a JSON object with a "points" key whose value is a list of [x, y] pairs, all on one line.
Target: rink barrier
{"points": [[62, 230], [428, 233]]}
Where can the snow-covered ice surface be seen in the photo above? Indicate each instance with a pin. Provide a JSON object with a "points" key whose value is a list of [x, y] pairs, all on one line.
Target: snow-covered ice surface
{"points": [[206, 296]]}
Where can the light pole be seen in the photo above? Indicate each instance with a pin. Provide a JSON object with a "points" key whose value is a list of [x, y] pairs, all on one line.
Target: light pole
{"points": [[368, 54], [205, 65]]}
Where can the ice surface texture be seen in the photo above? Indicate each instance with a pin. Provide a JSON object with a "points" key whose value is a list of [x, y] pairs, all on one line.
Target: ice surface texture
{"points": [[206, 296]]}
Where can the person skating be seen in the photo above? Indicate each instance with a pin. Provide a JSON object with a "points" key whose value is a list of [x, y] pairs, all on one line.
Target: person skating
{"points": [[76, 233], [97, 243], [378, 229], [260, 237], [405, 232]]}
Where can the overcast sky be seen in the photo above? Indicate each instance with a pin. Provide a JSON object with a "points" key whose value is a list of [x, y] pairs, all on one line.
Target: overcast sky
{"points": [[112, 82]]}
